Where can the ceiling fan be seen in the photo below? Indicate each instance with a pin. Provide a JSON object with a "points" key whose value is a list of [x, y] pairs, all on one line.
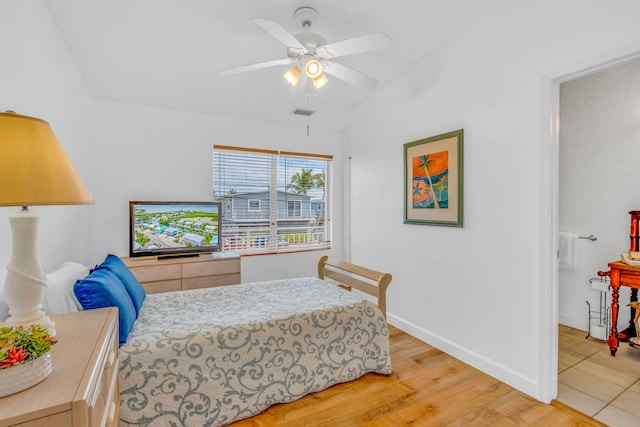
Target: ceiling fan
{"points": [[311, 52]]}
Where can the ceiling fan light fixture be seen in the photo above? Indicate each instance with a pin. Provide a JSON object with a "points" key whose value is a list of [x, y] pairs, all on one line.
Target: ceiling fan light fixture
{"points": [[293, 76], [320, 81], [313, 68]]}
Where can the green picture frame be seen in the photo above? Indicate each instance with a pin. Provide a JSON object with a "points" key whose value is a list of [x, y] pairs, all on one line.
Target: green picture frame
{"points": [[433, 180]]}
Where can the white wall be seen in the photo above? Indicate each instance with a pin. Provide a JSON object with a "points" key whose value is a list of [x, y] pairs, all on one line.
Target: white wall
{"points": [[482, 292], [38, 78], [599, 154], [140, 153], [126, 152]]}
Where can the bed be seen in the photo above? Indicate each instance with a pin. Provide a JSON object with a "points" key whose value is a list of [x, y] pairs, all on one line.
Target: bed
{"points": [[214, 356]]}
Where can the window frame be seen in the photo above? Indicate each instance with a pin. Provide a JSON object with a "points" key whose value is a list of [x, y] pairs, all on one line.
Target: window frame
{"points": [[297, 208], [280, 232], [250, 209]]}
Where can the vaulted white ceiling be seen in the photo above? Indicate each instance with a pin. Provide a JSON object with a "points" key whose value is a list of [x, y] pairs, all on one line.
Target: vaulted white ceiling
{"points": [[167, 53]]}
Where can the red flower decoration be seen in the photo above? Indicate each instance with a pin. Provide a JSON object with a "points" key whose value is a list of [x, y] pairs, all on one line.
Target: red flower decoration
{"points": [[14, 357]]}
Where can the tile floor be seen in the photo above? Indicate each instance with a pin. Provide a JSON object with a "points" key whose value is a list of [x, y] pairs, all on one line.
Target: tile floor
{"points": [[596, 384]]}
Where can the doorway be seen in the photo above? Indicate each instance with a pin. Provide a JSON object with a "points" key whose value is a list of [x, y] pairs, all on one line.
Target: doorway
{"points": [[599, 134]]}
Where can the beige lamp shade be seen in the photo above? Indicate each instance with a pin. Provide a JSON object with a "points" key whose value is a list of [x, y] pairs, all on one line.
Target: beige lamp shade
{"points": [[34, 169]]}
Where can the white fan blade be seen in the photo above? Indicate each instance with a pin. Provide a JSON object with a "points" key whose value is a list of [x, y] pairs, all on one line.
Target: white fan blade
{"points": [[349, 75], [277, 31], [257, 66], [364, 43]]}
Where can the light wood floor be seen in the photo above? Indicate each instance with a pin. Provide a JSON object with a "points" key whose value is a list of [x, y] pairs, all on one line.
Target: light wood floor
{"points": [[427, 388]]}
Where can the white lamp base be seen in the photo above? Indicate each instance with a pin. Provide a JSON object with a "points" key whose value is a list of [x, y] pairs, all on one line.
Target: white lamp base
{"points": [[25, 285]]}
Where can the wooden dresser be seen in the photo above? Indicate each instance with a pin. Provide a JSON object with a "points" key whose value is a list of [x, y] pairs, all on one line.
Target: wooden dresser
{"points": [[83, 389], [177, 273]]}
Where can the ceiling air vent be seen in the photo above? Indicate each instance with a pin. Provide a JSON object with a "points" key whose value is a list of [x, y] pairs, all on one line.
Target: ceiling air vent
{"points": [[302, 112]]}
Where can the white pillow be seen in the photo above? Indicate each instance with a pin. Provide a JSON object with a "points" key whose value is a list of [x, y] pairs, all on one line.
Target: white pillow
{"points": [[59, 297]]}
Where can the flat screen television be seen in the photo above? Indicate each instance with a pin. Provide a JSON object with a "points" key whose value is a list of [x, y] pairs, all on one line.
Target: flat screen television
{"points": [[174, 228]]}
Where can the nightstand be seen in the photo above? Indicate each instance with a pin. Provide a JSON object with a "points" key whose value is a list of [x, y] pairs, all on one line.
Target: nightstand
{"points": [[83, 389]]}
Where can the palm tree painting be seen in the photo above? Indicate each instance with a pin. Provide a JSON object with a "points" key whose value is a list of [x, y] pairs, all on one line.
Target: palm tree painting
{"points": [[431, 181]]}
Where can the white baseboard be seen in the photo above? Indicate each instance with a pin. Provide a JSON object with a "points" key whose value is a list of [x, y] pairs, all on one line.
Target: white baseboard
{"points": [[581, 323], [489, 367]]}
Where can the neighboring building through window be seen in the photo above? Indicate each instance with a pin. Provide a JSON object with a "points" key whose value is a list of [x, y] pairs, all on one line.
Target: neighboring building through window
{"points": [[273, 201]]}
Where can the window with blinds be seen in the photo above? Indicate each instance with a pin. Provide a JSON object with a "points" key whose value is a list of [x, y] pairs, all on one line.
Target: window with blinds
{"points": [[273, 201]]}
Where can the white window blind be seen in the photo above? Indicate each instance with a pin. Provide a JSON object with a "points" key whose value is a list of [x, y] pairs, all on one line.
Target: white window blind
{"points": [[273, 201]]}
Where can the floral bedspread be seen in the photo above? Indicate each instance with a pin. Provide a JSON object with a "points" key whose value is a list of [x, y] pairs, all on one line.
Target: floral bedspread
{"points": [[209, 357]]}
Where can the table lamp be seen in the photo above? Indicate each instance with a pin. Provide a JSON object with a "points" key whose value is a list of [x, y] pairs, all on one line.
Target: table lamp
{"points": [[34, 170]]}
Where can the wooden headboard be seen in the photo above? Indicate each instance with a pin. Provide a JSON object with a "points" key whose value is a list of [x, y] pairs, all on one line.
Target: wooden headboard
{"points": [[351, 275]]}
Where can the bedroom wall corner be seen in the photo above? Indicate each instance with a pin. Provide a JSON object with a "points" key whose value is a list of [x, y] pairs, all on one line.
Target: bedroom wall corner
{"points": [[106, 142], [39, 78], [479, 292], [137, 138]]}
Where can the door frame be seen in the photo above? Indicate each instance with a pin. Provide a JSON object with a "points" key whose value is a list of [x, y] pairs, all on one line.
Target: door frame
{"points": [[549, 209]]}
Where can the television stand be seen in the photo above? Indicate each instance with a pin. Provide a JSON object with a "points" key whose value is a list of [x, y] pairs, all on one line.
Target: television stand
{"points": [[178, 273], [174, 256]]}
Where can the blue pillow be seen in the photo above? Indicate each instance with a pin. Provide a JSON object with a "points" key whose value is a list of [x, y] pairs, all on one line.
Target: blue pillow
{"points": [[133, 286], [103, 288]]}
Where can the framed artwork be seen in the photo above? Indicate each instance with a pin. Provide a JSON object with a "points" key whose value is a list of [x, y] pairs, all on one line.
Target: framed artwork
{"points": [[433, 180]]}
